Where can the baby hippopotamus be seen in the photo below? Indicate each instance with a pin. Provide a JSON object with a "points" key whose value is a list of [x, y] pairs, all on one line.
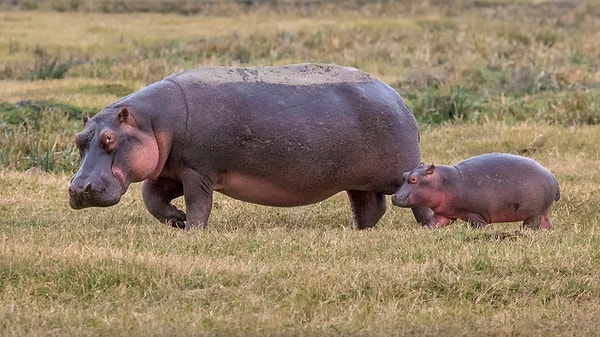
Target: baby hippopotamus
{"points": [[489, 188]]}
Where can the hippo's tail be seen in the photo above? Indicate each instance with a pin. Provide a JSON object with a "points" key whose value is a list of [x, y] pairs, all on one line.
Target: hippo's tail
{"points": [[557, 195]]}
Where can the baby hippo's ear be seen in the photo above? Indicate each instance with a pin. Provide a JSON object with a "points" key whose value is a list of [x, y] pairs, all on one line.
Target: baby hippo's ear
{"points": [[430, 169]]}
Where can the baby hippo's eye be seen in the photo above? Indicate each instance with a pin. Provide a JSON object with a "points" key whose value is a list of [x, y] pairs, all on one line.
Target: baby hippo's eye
{"points": [[413, 180]]}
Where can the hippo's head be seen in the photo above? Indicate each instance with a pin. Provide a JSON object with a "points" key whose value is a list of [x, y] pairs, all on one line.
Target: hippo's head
{"points": [[419, 188], [114, 153]]}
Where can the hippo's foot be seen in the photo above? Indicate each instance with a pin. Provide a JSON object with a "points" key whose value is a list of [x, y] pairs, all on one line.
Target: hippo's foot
{"points": [[367, 208], [177, 219], [536, 222], [157, 197], [171, 216]]}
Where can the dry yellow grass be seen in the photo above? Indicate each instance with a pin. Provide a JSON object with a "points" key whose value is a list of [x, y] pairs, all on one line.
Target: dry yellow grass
{"points": [[273, 272]]}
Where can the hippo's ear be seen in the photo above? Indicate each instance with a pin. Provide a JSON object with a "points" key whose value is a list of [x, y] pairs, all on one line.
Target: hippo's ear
{"points": [[125, 117], [123, 114], [85, 118], [430, 169]]}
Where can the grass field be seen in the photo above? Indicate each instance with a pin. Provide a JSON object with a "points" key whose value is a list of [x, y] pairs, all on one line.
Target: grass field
{"points": [[481, 76]]}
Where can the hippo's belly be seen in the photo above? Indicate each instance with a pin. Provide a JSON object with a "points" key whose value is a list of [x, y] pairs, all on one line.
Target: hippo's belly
{"points": [[267, 192], [516, 210]]}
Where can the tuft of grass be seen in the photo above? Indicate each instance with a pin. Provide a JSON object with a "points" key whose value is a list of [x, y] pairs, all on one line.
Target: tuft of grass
{"points": [[441, 104], [39, 135], [48, 66], [573, 108]]}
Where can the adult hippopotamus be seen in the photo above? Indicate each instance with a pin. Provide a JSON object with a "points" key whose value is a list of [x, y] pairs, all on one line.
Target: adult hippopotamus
{"points": [[279, 136], [489, 188]]}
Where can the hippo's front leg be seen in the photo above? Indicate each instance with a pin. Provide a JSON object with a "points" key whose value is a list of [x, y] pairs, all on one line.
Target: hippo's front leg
{"points": [[157, 197], [198, 194]]}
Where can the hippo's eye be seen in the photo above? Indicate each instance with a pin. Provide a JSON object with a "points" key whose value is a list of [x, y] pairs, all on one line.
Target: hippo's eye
{"points": [[413, 180], [108, 140]]}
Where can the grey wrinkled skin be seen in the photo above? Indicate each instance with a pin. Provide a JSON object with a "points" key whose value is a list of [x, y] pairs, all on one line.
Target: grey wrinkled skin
{"points": [[277, 136], [489, 188]]}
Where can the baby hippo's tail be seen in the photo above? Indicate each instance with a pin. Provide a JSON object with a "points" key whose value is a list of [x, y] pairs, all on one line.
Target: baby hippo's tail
{"points": [[557, 195]]}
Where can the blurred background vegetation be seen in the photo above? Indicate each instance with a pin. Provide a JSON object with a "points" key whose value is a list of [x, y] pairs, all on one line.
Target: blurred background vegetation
{"points": [[466, 61]]}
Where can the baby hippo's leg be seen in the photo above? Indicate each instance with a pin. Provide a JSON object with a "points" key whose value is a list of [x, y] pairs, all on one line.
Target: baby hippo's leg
{"points": [[441, 221], [476, 220]]}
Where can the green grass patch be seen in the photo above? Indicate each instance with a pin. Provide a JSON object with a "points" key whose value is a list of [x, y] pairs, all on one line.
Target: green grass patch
{"points": [[36, 113], [39, 135]]}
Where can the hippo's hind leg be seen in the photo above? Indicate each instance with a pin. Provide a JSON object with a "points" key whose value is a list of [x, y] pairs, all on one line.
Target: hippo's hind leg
{"points": [[367, 208], [476, 220], [539, 221], [157, 197]]}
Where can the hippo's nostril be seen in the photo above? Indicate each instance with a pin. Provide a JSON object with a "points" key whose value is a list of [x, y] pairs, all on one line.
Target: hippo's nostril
{"points": [[88, 188]]}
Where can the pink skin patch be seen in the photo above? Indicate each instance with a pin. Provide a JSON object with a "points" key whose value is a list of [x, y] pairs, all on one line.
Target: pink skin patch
{"points": [[142, 159], [441, 221], [118, 174]]}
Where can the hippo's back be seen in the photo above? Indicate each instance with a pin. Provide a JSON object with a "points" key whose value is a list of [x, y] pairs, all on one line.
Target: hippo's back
{"points": [[504, 165], [294, 75], [508, 177]]}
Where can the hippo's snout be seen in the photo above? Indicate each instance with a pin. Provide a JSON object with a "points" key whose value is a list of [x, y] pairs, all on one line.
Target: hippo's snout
{"points": [[401, 197], [399, 201], [77, 195], [74, 191], [84, 194]]}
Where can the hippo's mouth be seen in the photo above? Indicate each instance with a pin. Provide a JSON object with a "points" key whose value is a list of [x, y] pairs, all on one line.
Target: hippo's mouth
{"points": [[87, 199]]}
